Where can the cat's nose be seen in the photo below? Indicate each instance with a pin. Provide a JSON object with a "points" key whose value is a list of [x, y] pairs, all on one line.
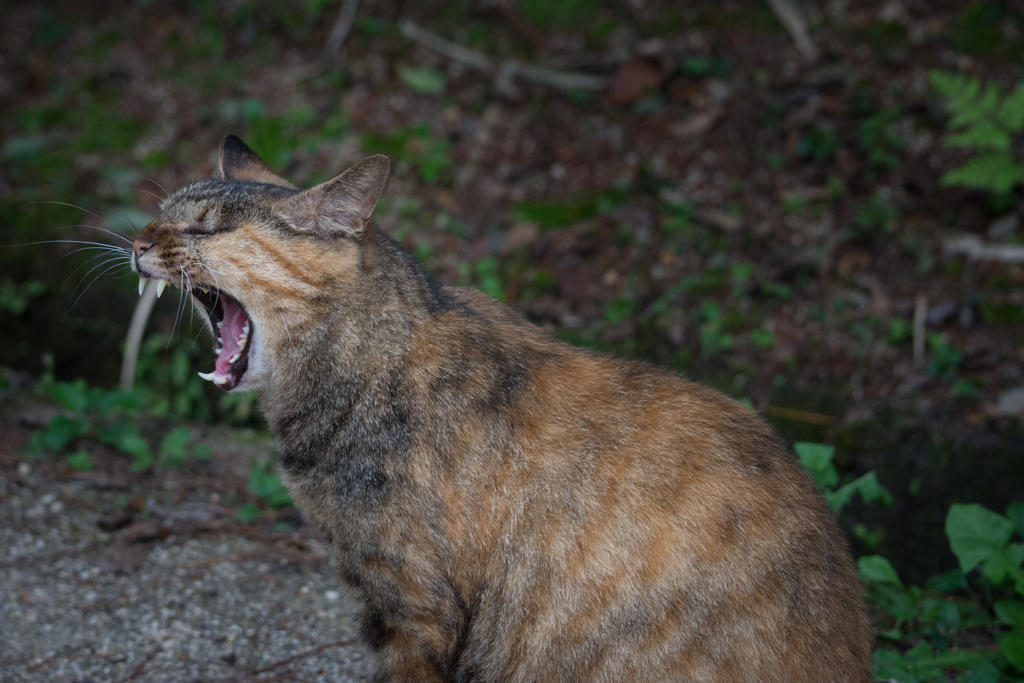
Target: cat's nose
{"points": [[141, 245]]}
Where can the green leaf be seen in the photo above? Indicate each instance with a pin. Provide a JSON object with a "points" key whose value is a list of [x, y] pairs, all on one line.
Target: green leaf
{"points": [[983, 672], [425, 81], [1010, 612], [61, 431], [1012, 648], [80, 461], [867, 485], [986, 135], [1011, 111], [817, 460], [993, 172], [247, 512], [172, 449], [71, 395], [877, 569], [974, 532], [1015, 512]]}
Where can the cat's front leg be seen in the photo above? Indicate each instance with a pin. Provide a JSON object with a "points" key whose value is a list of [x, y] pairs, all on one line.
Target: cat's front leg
{"points": [[415, 635]]}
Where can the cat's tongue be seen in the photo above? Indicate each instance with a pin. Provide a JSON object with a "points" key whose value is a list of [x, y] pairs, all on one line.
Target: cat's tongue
{"points": [[234, 334]]}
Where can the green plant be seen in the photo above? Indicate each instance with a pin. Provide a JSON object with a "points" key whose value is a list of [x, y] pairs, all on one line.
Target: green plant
{"points": [[874, 218], [174, 451], [877, 139], [945, 361], [818, 143], [817, 461], [712, 335], [265, 485], [984, 122], [15, 297], [947, 625], [423, 81], [415, 146]]}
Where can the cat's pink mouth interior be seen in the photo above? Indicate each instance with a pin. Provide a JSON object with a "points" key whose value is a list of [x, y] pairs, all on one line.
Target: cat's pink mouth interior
{"points": [[234, 333]]}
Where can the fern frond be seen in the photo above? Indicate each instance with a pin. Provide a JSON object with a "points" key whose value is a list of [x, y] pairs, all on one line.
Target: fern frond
{"points": [[981, 108], [985, 135], [955, 87], [1011, 111], [993, 172]]}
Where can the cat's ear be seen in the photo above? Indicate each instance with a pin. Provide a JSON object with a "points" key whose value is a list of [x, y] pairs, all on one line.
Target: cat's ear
{"points": [[342, 205], [238, 162]]}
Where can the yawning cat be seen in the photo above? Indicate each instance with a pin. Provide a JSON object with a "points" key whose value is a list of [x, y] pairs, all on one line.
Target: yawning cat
{"points": [[502, 506]]}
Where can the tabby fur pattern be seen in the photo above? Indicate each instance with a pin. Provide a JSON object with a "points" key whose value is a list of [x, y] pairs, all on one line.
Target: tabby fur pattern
{"points": [[503, 506]]}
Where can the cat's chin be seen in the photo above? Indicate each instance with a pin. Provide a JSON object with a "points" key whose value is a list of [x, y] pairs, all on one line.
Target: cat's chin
{"points": [[234, 336]]}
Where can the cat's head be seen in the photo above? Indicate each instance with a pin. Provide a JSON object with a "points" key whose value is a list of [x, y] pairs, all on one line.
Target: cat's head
{"points": [[260, 258]]}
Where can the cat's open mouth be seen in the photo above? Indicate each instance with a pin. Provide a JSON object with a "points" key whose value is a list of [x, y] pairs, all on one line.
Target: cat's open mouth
{"points": [[234, 333]]}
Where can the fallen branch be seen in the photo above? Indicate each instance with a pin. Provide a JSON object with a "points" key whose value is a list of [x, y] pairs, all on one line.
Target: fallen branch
{"points": [[975, 249], [136, 329], [791, 19], [502, 72], [340, 31], [800, 415], [920, 318]]}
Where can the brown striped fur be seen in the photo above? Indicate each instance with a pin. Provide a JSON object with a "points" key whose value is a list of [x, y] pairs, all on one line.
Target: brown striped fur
{"points": [[502, 506]]}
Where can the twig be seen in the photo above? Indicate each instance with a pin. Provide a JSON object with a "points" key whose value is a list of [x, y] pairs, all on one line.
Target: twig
{"points": [[920, 316], [340, 31], [137, 671], [306, 653], [975, 249], [502, 72], [800, 415], [791, 19], [458, 53], [136, 329]]}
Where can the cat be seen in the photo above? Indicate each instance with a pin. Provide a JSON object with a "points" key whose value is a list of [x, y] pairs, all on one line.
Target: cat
{"points": [[502, 506]]}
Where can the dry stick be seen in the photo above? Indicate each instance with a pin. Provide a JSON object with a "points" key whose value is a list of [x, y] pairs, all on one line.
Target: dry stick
{"points": [[976, 250], [306, 653], [920, 316], [136, 329], [800, 415], [340, 31], [137, 671], [502, 71], [791, 19]]}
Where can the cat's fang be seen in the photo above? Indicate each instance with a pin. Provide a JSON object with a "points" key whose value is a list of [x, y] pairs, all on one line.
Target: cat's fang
{"points": [[142, 284], [234, 358], [160, 284], [208, 376]]}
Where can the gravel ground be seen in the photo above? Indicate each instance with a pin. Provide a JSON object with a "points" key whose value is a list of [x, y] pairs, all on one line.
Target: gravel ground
{"points": [[167, 597]]}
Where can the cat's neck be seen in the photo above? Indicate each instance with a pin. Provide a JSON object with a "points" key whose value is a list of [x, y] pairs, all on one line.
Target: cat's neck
{"points": [[351, 360]]}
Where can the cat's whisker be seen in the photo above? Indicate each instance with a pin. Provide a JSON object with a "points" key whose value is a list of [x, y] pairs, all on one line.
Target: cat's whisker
{"points": [[86, 288], [151, 194], [88, 261], [116, 250], [73, 206], [188, 280], [32, 244], [95, 227], [242, 272], [286, 331], [166, 193]]}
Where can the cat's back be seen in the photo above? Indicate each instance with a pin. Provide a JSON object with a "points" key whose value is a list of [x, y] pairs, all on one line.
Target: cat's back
{"points": [[641, 509]]}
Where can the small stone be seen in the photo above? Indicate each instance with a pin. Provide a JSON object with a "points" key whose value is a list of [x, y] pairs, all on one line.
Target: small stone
{"points": [[332, 595], [1010, 402], [1003, 226]]}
